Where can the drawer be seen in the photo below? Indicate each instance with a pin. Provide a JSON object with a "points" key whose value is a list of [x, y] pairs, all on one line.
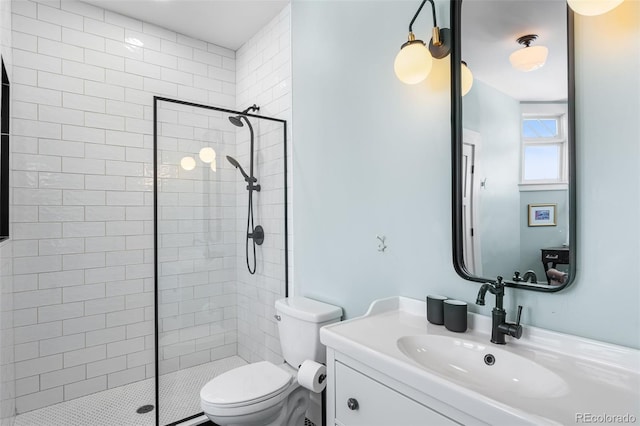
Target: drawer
{"points": [[373, 403], [555, 256]]}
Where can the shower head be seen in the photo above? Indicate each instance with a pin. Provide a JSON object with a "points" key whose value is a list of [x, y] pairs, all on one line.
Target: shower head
{"points": [[236, 120], [237, 165]]}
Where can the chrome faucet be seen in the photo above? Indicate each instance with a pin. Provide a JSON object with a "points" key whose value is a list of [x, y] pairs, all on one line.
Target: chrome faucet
{"points": [[499, 326]]}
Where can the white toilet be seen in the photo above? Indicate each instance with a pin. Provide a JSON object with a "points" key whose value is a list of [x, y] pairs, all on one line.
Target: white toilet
{"points": [[265, 394]]}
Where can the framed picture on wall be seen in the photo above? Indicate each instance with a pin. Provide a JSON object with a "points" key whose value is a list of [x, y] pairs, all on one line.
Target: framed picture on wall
{"points": [[542, 214]]}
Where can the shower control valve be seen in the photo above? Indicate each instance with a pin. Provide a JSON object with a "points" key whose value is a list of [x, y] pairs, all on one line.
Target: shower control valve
{"points": [[252, 187], [257, 235]]}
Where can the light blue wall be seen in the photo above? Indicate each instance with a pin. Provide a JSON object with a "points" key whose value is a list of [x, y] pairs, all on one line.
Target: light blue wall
{"points": [[496, 117], [371, 156]]}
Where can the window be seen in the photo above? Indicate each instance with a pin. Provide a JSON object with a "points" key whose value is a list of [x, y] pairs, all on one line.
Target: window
{"points": [[544, 151]]}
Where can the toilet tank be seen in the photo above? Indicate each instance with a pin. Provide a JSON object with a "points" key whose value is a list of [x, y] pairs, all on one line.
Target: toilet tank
{"points": [[299, 323]]}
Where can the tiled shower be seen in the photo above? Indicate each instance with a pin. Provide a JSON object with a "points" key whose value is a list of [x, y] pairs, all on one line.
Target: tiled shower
{"points": [[78, 272], [201, 218]]}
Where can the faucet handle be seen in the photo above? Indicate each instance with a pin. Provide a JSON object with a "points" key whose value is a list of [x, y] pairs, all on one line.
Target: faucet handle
{"points": [[519, 315], [515, 330]]}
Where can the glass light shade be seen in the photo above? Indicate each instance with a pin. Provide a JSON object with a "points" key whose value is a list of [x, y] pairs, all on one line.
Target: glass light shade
{"points": [[413, 63], [207, 154], [213, 165], [529, 58], [188, 163], [466, 79], [593, 7]]}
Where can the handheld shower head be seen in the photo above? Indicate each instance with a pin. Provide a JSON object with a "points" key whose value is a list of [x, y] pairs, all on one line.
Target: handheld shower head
{"points": [[237, 165]]}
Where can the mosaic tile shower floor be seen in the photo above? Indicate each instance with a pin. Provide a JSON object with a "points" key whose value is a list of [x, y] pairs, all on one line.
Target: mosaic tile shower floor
{"points": [[117, 407]]}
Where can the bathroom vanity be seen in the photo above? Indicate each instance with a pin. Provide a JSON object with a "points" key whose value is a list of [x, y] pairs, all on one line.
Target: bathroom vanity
{"points": [[391, 367]]}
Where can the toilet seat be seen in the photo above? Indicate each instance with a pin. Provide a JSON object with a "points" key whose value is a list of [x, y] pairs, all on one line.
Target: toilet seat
{"points": [[245, 386]]}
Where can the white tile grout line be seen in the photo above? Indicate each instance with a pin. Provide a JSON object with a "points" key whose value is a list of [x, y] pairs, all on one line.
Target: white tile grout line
{"points": [[179, 398]]}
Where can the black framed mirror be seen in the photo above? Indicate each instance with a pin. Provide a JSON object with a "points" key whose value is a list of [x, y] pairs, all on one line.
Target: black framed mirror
{"points": [[513, 143]]}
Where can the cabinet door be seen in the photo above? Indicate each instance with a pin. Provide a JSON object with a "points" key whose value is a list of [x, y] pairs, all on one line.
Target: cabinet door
{"points": [[362, 401]]}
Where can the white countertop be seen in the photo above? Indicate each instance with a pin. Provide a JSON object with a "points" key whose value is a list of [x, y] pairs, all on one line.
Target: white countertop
{"points": [[603, 379]]}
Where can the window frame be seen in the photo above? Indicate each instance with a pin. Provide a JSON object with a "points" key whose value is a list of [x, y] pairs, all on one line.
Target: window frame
{"points": [[559, 140]]}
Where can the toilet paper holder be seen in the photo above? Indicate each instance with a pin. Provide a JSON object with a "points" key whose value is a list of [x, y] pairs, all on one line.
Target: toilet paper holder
{"points": [[322, 377]]}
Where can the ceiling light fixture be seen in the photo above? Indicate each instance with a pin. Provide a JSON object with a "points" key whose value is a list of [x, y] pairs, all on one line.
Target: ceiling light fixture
{"points": [[593, 7], [466, 78], [528, 58], [413, 63]]}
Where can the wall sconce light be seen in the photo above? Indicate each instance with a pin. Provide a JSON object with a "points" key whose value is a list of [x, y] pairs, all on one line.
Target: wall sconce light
{"points": [[413, 62], [207, 154], [466, 78], [593, 7], [188, 163], [528, 58]]}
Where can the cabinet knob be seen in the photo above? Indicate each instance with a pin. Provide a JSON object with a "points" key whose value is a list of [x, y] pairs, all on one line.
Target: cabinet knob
{"points": [[352, 403]]}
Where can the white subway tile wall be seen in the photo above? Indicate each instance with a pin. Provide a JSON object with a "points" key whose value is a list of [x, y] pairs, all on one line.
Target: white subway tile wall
{"points": [[83, 203], [196, 279], [263, 77], [8, 350]]}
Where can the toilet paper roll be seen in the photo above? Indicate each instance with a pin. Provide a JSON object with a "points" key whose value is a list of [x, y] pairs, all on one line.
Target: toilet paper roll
{"points": [[312, 376]]}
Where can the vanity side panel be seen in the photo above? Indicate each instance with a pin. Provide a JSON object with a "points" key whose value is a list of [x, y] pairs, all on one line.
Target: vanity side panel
{"points": [[330, 400]]}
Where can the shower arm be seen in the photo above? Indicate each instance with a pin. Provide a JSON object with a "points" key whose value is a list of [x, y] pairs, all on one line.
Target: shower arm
{"points": [[253, 107]]}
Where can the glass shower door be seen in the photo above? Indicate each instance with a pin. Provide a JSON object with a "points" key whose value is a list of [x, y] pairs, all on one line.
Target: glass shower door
{"points": [[206, 308]]}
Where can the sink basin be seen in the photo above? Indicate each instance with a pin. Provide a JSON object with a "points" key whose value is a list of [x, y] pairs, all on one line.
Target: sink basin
{"points": [[546, 378], [482, 367]]}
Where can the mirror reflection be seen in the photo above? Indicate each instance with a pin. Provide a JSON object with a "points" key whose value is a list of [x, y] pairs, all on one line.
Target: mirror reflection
{"points": [[515, 137]]}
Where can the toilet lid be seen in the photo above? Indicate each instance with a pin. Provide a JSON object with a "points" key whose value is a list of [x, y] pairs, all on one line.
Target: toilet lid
{"points": [[247, 384]]}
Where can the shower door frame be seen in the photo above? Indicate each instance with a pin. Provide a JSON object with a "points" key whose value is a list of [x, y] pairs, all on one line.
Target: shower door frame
{"points": [[157, 99]]}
